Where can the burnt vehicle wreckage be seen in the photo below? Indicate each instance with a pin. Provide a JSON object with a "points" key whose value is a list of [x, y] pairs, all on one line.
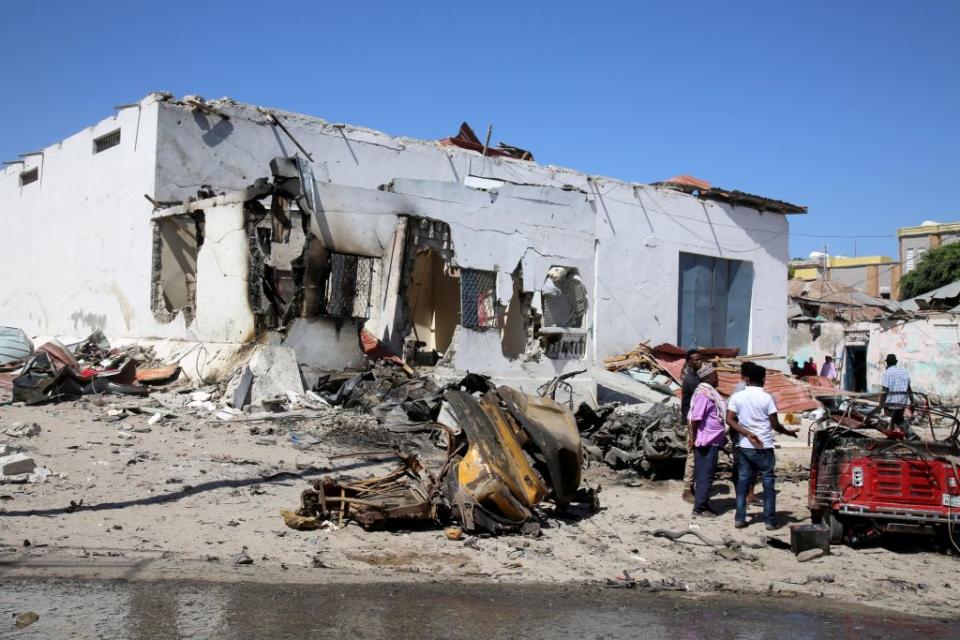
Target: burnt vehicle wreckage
{"points": [[651, 440], [506, 453], [869, 476]]}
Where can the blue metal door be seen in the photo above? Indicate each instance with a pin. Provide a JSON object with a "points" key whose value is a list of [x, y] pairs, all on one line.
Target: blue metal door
{"points": [[714, 302]]}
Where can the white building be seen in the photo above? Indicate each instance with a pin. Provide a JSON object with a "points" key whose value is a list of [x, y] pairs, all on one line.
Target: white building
{"points": [[416, 240]]}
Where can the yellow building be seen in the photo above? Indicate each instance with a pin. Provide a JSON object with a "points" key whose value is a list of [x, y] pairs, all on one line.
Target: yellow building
{"points": [[877, 276]]}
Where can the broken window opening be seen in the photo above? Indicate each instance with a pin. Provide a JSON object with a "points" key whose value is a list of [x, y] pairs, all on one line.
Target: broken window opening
{"points": [[564, 298], [478, 299], [176, 243], [432, 298], [29, 176], [518, 321], [106, 141]]}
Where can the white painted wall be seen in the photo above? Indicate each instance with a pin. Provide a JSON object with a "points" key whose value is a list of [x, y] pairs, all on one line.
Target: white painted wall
{"points": [[77, 245], [81, 249]]}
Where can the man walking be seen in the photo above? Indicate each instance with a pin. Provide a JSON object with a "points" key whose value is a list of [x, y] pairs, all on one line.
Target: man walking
{"points": [[690, 382], [752, 413], [707, 432], [896, 395]]}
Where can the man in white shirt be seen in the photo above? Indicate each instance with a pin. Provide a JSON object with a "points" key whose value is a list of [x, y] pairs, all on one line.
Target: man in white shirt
{"points": [[752, 413]]}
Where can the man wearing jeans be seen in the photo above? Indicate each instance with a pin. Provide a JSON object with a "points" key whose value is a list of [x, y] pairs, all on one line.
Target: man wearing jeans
{"points": [[753, 414]]}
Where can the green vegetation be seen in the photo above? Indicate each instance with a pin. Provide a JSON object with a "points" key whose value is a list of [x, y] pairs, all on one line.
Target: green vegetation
{"points": [[936, 268]]}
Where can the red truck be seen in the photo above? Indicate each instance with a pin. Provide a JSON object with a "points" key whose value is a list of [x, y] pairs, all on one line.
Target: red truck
{"points": [[870, 477]]}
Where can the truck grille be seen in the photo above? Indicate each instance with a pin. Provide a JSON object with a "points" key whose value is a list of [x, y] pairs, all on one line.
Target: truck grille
{"points": [[905, 481]]}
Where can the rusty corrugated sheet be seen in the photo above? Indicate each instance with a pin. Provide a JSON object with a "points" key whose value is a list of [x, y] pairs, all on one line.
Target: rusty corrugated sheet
{"points": [[790, 394], [703, 189]]}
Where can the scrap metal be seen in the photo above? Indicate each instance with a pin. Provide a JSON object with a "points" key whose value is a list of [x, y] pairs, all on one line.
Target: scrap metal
{"points": [[507, 453]]}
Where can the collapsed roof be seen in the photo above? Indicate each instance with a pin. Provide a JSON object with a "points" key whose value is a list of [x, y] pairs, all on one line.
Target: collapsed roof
{"points": [[945, 298]]}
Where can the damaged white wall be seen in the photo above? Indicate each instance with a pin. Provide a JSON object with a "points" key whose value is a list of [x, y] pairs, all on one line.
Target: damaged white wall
{"points": [[927, 347], [640, 230], [88, 215]]}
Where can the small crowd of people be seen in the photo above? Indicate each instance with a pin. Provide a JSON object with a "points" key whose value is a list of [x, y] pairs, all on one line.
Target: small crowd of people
{"points": [[750, 419], [827, 370]]}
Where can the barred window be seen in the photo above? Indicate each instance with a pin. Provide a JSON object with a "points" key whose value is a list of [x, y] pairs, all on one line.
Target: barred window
{"points": [[478, 299], [349, 286], [564, 298]]}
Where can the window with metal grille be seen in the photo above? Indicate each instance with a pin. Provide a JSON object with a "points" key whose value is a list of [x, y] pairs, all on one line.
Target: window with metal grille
{"points": [[349, 286], [564, 298], [478, 299], [28, 176], [106, 141]]}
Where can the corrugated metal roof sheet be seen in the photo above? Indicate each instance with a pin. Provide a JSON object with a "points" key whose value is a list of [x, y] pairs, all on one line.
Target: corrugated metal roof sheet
{"points": [[703, 189]]}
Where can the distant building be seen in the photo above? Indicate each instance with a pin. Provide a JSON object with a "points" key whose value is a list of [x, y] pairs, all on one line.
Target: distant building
{"points": [[877, 276], [915, 241]]}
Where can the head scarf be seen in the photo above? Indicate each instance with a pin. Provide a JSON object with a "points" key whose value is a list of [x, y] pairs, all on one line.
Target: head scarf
{"points": [[708, 390]]}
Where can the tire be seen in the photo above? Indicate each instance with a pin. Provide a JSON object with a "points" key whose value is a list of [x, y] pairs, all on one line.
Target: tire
{"points": [[829, 518]]}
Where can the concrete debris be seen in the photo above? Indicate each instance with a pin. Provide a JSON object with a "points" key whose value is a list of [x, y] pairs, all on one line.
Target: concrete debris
{"points": [[24, 620], [16, 464], [21, 430], [810, 554], [275, 371]]}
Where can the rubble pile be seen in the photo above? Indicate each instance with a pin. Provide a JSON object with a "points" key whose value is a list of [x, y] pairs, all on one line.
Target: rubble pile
{"points": [[661, 369], [648, 439], [55, 371], [507, 453], [400, 401]]}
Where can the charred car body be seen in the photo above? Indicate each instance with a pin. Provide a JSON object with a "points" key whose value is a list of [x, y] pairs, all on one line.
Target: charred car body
{"points": [[866, 478]]}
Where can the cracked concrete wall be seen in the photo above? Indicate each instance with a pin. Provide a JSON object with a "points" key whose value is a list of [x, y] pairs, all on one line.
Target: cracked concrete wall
{"points": [[640, 230], [495, 230], [82, 247], [77, 247]]}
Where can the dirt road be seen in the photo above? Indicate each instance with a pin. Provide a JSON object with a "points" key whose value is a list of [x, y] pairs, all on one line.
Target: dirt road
{"points": [[183, 499]]}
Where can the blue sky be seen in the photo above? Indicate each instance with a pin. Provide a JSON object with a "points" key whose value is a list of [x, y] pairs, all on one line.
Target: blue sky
{"points": [[850, 108]]}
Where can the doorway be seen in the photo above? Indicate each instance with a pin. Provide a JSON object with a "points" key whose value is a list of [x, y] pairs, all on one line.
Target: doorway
{"points": [[855, 368]]}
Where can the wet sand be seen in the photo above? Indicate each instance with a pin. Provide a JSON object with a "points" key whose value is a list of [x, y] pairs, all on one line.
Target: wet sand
{"points": [[181, 609]]}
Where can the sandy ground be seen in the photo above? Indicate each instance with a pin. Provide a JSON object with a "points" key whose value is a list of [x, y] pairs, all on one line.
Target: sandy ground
{"points": [[181, 500]]}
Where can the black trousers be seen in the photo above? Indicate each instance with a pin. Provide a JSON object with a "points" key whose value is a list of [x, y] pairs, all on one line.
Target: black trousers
{"points": [[704, 465]]}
